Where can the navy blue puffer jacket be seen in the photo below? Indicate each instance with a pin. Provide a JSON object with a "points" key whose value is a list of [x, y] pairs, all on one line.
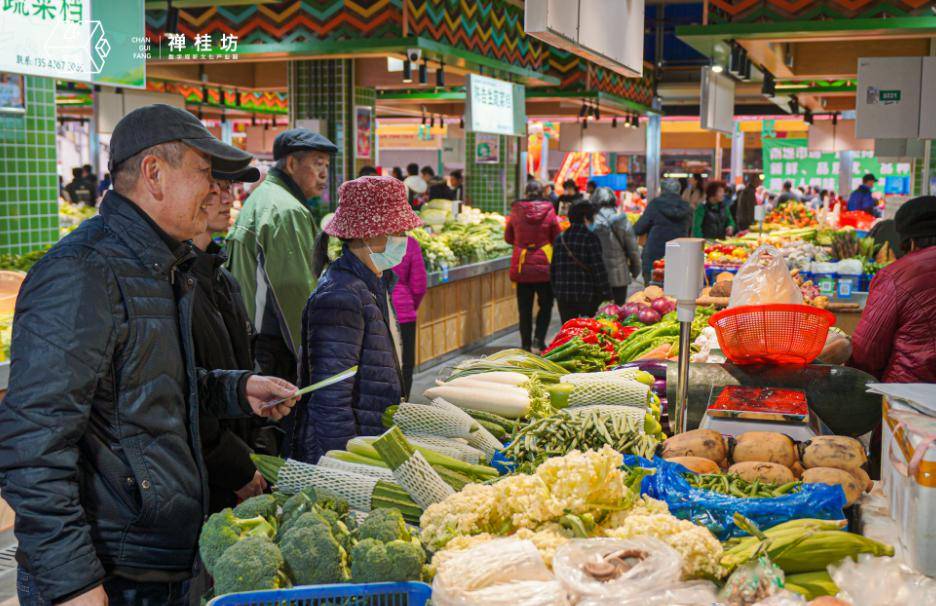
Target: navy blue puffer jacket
{"points": [[345, 323]]}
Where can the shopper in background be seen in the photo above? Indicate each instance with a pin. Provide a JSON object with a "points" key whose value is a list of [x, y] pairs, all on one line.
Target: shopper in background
{"points": [[532, 227], [349, 321], [79, 191], [270, 246], [590, 187], [549, 193], [438, 190], [104, 185], [97, 455], [570, 195], [744, 208], [862, 198], [621, 253], [666, 217], [712, 220], [416, 186], [577, 274], [408, 293], [787, 195], [427, 173], [367, 171], [397, 173], [694, 190], [90, 177], [457, 183]]}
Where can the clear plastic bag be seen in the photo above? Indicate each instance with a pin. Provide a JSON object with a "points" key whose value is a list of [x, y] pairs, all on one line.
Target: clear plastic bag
{"points": [[764, 279], [660, 566], [882, 581], [783, 598], [502, 571], [751, 583], [716, 511], [652, 581]]}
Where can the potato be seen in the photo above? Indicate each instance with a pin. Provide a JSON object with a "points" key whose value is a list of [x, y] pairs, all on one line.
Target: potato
{"points": [[827, 600], [797, 469], [833, 476], [638, 297], [840, 452], [697, 464], [863, 478], [763, 471], [725, 275], [653, 292], [766, 446], [721, 289], [705, 443]]}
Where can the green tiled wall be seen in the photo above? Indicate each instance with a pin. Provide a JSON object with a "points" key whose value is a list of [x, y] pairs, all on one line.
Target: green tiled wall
{"points": [[492, 187], [917, 185], [322, 89], [364, 97], [28, 178]]}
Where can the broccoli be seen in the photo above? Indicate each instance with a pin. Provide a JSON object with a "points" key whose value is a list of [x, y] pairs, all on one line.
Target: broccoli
{"points": [[375, 562], [252, 564], [313, 556], [385, 525], [224, 529], [261, 505], [298, 504]]}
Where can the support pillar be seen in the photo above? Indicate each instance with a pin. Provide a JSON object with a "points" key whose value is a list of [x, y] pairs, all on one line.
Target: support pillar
{"points": [[737, 155], [653, 156], [845, 173]]}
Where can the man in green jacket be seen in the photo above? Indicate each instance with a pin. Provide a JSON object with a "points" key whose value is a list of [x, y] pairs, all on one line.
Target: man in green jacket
{"points": [[270, 246]]}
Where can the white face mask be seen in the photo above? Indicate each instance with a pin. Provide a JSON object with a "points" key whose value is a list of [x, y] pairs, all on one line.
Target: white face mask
{"points": [[391, 256]]}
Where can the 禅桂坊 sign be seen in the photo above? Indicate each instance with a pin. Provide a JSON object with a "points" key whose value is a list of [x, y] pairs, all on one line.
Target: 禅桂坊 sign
{"points": [[95, 41], [791, 160]]}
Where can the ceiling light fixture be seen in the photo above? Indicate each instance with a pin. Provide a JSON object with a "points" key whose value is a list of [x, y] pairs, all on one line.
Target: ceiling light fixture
{"points": [[583, 111], [424, 71], [440, 75], [717, 68], [407, 71], [597, 111], [614, 122]]}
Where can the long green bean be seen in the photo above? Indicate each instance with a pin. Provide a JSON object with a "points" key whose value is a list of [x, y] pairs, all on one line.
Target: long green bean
{"points": [[734, 485]]}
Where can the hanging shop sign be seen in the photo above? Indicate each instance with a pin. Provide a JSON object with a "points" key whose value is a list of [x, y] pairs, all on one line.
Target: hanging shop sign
{"points": [[487, 149], [791, 160], [888, 99], [99, 41], [495, 106], [363, 131]]}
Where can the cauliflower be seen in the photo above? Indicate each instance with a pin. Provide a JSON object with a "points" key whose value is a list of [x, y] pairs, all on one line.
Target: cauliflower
{"points": [[467, 512], [700, 550], [547, 539]]}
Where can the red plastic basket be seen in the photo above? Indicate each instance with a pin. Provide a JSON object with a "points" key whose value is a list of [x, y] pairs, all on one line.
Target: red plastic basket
{"points": [[772, 334]]}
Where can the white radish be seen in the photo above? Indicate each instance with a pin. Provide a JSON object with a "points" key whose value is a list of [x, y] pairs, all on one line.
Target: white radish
{"points": [[514, 379], [504, 400]]}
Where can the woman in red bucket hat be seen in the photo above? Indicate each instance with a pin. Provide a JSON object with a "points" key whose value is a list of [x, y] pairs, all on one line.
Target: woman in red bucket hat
{"points": [[349, 321]]}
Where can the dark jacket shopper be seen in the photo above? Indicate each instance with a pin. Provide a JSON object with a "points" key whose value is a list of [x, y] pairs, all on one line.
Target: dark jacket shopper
{"points": [[578, 275], [99, 450], [861, 198], [665, 218], [743, 209], [532, 227], [349, 320], [270, 246], [896, 337], [79, 190], [408, 293], [618, 243], [713, 220]]}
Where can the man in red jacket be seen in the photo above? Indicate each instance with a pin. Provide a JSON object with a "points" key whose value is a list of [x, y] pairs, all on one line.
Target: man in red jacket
{"points": [[896, 337], [532, 227]]}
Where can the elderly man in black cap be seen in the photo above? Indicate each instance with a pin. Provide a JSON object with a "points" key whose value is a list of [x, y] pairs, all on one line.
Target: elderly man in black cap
{"points": [[100, 455], [271, 243]]}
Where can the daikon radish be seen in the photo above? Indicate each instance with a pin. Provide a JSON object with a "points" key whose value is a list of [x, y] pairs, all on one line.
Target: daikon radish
{"points": [[504, 400], [501, 378]]}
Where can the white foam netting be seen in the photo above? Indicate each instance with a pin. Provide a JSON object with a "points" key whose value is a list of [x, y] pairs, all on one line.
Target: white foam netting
{"points": [[354, 488], [421, 481], [433, 420], [611, 391], [447, 446], [484, 440], [381, 473]]}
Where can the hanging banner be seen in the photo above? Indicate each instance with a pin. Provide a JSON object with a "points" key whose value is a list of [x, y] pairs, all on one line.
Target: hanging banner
{"points": [[97, 41], [791, 160], [363, 131]]}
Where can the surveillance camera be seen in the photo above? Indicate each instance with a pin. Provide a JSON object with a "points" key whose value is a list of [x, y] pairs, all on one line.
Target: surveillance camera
{"points": [[414, 54]]}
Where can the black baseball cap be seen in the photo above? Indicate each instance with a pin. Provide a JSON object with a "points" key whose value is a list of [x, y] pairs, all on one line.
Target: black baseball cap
{"points": [[300, 139], [244, 174], [869, 177], [160, 123]]}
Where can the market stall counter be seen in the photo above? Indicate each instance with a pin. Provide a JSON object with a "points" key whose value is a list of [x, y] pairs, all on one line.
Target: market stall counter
{"points": [[465, 306]]}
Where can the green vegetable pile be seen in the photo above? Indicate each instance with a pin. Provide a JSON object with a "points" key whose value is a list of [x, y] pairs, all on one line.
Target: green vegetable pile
{"points": [[569, 430], [460, 243], [277, 540], [735, 486], [71, 216], [22, 262], [666, 330]]}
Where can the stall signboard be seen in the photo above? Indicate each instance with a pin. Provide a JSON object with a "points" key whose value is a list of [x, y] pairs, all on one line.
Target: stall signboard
{"points": [[95, 41], [495, 106], [791, 160], [363, 131]]}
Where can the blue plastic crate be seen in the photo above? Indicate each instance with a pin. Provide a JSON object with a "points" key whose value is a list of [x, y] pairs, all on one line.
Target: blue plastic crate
{"points": [[347, 594]]}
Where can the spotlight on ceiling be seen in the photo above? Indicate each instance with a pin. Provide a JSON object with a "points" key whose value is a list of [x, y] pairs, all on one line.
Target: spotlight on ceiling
{"points": [[424, 71], [614, 122], [440, 75], [407, 71]]}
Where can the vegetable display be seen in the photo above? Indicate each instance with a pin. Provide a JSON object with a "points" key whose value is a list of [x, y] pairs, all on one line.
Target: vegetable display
{"points": [[474, 237], [736, 486]]}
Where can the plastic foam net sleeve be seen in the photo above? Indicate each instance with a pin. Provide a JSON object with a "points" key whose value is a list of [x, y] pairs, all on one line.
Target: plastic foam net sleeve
{"points": [[420, 480], [354, 488]]}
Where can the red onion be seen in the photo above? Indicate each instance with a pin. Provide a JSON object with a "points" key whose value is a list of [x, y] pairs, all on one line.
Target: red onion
{"points": [[630, 309], [610, 309], [659, 387], [648, 316], [662, 306]]}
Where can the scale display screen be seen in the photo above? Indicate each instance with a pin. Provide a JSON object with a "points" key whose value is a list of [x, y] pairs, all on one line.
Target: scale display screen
{"points": [[760, 404]]}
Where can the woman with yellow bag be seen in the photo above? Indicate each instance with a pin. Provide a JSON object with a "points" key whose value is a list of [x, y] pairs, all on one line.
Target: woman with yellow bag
{"points": [[532, 227]]}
